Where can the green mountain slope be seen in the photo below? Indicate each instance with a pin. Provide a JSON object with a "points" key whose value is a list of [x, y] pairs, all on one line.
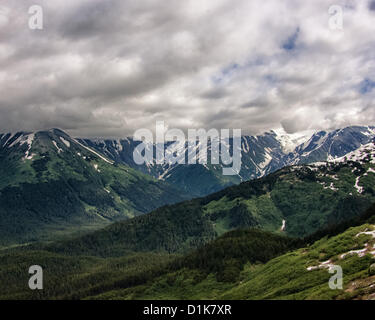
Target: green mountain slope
{"points": [[241, 264], [79, 277], [284, 277], [67, 277], [52, 185], [304, 198], [312, 201], [303, 274]]}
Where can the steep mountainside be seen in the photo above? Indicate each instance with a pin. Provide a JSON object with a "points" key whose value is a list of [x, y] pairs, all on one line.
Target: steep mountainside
{"points": [[296, 201], [261, 155], [51, 184], [324, 145], [241, 264], [79, 277], [243, 274]]}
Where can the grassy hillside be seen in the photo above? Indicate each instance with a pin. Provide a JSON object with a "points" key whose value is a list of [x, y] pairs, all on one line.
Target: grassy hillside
{"points": [[287, 277]]}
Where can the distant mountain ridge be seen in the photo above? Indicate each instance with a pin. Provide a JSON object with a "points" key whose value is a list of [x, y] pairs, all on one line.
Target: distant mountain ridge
{"points": [[324, 145], [261, 155]]}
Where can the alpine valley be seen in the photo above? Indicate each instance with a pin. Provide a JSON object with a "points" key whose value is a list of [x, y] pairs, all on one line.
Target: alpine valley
{"points": [[104, 228]]}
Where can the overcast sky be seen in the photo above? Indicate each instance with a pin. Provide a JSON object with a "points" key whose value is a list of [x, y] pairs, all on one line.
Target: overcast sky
{"points": [[106, 68]]}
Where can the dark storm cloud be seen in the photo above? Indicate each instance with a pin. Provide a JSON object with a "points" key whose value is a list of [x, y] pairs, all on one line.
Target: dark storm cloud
{"points": [[215, 94], [107, 68]]}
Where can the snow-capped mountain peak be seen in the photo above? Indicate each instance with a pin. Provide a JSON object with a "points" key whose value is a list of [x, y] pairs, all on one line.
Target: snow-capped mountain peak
{"points": [[289, 142], [260, 154]]}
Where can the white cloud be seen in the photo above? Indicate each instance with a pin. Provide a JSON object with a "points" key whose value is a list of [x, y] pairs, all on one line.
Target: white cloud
{"points": [[107, 68]]}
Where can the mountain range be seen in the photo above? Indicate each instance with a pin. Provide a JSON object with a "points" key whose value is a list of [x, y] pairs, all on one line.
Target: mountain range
{"points": [[217, 247], [323, 194], [52, 184], [261, 155], [240, 242]]}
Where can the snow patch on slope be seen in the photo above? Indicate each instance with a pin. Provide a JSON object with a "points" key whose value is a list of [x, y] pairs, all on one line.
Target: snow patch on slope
{"points": [[357, 186], [94, 152], [267, 160], [29, 141], [368, 249], [364, 152], [66, 142], [283, 225], [57, 147]]}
